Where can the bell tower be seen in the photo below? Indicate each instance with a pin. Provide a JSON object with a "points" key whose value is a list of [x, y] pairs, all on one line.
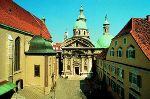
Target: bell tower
{"points": [[106, 26]]}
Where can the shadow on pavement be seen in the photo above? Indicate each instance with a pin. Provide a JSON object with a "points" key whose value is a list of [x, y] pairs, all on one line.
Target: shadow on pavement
{"points": [[93, 88]]}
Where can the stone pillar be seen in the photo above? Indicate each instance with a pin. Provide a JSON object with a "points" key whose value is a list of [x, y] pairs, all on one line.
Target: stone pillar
{"points": [[89, 64], [64, 58], [71, 66], [82, 65]]}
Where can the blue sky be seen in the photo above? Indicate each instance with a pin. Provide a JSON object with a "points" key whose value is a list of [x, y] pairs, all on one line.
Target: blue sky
{"points": [[61, 14]]}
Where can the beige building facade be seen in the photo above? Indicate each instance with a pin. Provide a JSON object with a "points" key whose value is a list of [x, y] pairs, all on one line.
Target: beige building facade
{"points": [[125, 67]]}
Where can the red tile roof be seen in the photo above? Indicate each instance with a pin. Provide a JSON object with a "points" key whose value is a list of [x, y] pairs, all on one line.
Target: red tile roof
{"points": [[139, 28], [57, 46], [15, 16]]}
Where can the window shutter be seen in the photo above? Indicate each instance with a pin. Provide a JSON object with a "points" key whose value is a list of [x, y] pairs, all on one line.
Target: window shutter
{"points": [[122, 93], [139, 81], [117, 53], [126, 53], [122, 73], [133, 54], [113, 53], [110, 53], [117, 71], [130, 77]]}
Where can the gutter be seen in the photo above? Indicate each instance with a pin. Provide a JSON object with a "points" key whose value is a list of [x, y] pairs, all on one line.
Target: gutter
{"points": [[15, 29]]}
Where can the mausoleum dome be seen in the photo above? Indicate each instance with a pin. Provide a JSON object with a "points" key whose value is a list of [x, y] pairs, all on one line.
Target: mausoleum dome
{"points": [[80, 25]]}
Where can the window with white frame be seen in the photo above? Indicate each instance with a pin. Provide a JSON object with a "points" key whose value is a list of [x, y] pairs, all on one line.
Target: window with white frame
{"points": [[130, 53], [132, 96], [120, 91], [112, 52], [119, 52], [113, 86], [135, 80], [120, 72], [113, 70]]}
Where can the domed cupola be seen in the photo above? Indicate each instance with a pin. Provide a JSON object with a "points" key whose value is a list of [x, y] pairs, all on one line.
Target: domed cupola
{"points": [[80, 28], [105, 40], [38, 45]]}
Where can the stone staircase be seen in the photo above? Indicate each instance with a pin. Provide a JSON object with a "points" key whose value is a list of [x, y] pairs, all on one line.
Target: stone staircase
{"points": [[76, 77]]}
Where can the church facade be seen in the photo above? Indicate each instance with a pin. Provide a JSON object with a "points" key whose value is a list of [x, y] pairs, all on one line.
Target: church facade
{"points": [[78, 50], [27, 57]]}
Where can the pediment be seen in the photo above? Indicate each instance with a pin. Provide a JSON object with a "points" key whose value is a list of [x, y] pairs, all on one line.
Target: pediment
{"points": [[77, 42]]}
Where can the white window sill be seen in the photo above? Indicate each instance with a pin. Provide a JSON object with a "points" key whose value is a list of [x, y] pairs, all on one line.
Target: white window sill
{"points": [[134, 86], [17, 72]]}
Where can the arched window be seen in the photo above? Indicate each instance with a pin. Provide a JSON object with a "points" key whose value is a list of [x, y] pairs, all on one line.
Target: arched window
{"points": [[17, 54], [79, 32], [84, 32], [119, 52], [130, 53], [112, 52]]}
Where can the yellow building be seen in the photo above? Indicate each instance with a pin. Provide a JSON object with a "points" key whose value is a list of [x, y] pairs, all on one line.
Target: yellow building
{"points": [[27, 57], [125, 67]]}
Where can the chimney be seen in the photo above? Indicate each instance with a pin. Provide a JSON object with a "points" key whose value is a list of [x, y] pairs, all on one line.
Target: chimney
{"points": [[148, 17], [43, 20]]}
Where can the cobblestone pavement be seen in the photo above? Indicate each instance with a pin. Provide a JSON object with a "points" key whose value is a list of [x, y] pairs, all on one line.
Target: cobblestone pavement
{"points": [[68, 89], [65, 89]]}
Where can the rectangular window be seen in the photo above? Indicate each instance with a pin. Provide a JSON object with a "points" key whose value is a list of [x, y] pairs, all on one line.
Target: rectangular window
{"points": [[113, 70], [124, 41], [113, 86], [120, 72], [85, 67], [36, 70], [120, 91], [131, 96], [135, 81]]}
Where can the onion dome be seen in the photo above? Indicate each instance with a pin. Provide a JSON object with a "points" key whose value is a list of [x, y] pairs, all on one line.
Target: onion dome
{"points": [[38, 45]]}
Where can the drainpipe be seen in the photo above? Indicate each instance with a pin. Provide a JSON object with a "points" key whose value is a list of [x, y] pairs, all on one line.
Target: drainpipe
{"points": [[12, 62]]}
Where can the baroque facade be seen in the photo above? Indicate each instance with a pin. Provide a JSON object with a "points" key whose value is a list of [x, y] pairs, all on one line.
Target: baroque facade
{"points": [[125, 65], [78, 50]]}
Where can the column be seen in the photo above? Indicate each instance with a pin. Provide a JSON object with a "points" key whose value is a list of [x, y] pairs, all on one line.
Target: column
{"points": [[82, 65], [71, 65], [89, 64]]}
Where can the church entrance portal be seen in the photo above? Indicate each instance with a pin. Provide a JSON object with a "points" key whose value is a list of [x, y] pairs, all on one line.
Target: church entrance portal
{"points": [[77, 70]]}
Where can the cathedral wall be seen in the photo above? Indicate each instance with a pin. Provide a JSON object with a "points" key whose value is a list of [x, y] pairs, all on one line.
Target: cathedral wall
{"points": [[7, 55]]}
